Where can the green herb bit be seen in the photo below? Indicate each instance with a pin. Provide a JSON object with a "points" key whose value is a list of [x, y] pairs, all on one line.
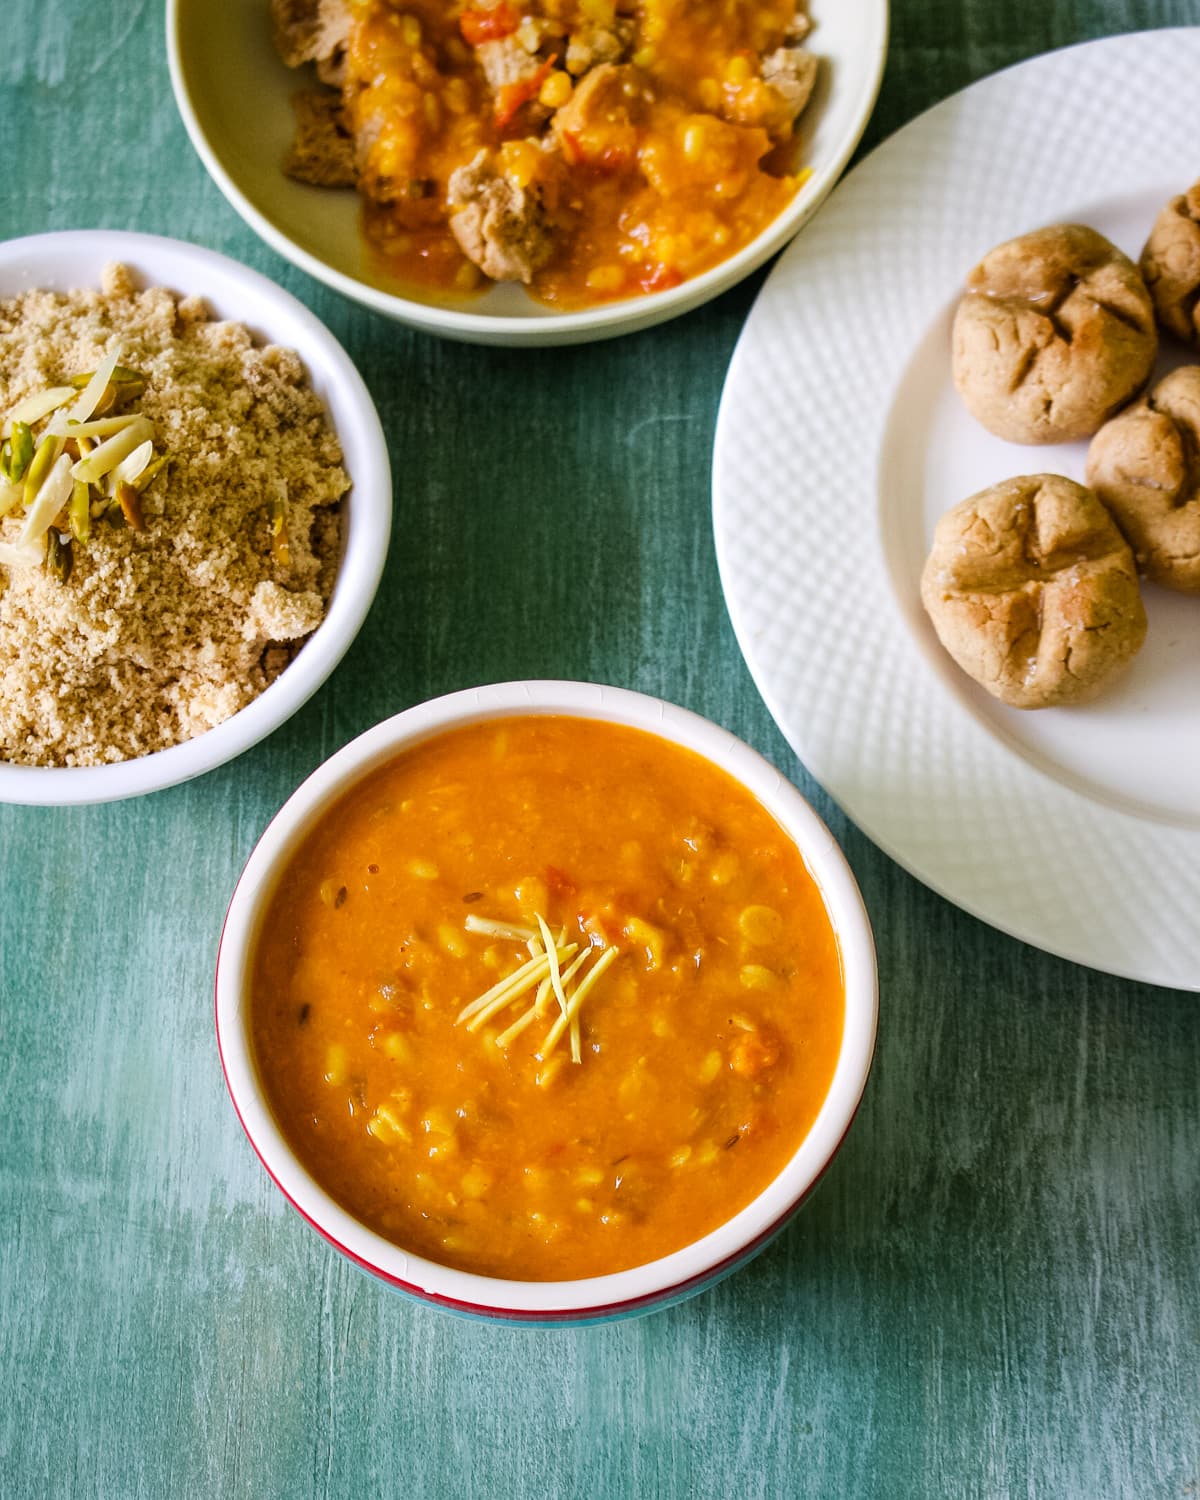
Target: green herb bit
{"points": [[79, 511], [59, 557], [121, 375], [108, 399], [40, 465], [20, 450], [151, 472]]}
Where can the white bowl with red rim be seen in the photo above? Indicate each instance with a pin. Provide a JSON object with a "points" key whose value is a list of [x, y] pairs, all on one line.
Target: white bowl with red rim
{"points": [[598, 1298]]}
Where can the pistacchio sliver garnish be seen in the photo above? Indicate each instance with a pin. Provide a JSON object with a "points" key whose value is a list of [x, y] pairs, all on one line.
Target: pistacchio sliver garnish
{"points": [[71, 456]]}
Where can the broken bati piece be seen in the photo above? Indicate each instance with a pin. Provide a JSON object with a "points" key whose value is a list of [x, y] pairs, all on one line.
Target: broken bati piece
{"points": [[1054, 335], [499, 216], [1033, 592], [1145, 466]]}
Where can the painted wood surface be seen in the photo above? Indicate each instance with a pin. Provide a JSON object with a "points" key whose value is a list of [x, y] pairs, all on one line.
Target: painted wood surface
{"points": [[996, 1291]]}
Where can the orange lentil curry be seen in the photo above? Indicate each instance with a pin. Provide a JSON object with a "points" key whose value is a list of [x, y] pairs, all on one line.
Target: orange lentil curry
{"points": [[546, 998], [591, 149]]}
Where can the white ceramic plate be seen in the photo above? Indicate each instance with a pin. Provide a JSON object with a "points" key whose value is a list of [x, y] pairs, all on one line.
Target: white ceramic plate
{"points": [[222, 56], [75, 258], [840, 441]]}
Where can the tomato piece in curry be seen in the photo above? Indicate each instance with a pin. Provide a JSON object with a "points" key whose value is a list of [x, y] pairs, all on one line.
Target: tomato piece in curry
{"points": [[591, 149], [461, 1127]]}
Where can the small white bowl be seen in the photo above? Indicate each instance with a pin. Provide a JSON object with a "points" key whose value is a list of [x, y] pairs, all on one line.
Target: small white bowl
{"points": [[598, 1298], [76, 258], [221, 56]]}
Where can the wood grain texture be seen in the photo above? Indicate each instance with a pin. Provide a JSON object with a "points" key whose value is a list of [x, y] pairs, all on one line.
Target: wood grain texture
{"points": [[995, 1292]]}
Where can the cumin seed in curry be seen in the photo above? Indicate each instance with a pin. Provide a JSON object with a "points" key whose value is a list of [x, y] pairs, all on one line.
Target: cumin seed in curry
{"points": [[546, 998]]}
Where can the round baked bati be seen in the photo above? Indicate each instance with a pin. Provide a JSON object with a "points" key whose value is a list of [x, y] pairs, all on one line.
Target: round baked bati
{"points": [[1054, 334], [1145, 467], [1171, 265], [1033, 591]]}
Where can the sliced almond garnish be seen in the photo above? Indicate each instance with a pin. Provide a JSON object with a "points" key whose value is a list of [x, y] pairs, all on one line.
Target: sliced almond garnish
{"points": [[133, 464], [35, 407], [51, 498], [101, 426], [89, 398], [113, 453], [109, 454]]}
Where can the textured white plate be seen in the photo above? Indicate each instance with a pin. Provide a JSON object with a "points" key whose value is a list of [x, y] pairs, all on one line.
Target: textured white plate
{"points": [[221, 57], [840, 441]]}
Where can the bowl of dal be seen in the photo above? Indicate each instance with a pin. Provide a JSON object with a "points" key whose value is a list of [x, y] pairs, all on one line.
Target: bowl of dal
{"points": [[546, 1002]]}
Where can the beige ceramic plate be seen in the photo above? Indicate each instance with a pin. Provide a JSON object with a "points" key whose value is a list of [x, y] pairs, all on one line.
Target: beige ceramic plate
{"points": [[235, 98], [841, 440]]}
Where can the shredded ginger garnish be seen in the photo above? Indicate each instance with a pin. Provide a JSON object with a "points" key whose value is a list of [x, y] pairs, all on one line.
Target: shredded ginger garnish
{"points": [[556, 974]]}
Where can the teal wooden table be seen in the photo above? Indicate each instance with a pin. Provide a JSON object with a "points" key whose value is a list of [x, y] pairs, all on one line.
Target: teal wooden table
{"points": [[996, 1291]]}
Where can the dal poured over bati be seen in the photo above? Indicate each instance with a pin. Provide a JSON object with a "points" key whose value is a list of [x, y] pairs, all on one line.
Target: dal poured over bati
{"points": [[133, 627], [1055, 333], [1033, 591], [589, 149]]}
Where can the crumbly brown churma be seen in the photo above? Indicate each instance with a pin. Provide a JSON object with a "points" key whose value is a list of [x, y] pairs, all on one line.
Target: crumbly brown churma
{"points": [[160, 633]]}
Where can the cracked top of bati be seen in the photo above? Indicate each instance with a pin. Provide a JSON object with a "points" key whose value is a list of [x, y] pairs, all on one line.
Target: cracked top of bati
{"points": [[1054, 334]]}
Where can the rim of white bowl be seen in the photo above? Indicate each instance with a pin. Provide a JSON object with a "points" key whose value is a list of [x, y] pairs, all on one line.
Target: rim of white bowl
{"points": [[76, 257], [605, 321], [599, 1296]]}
